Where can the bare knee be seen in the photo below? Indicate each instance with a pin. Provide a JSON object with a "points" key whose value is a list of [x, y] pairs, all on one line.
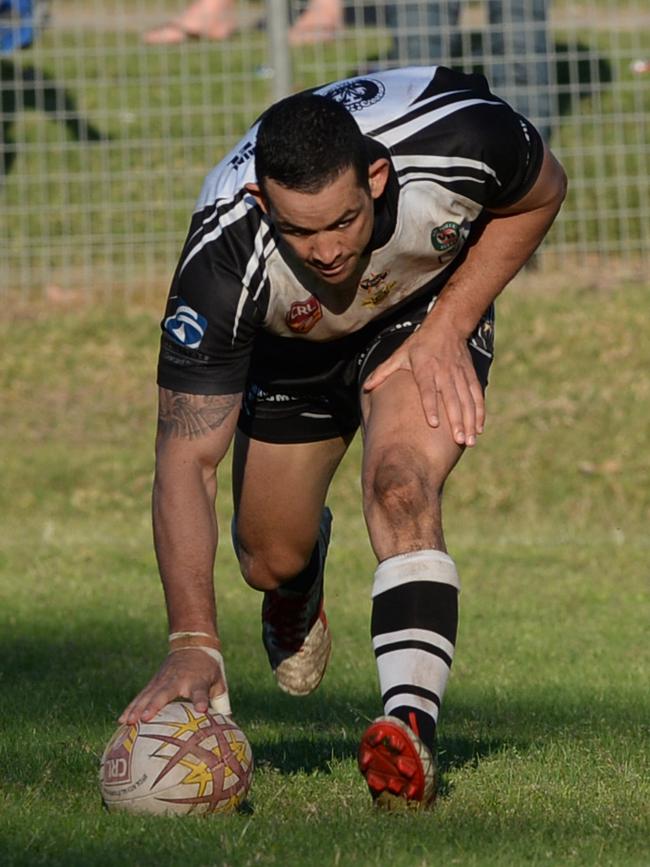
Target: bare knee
{"points": [[401, 483], [267, 568], [402, 494]]}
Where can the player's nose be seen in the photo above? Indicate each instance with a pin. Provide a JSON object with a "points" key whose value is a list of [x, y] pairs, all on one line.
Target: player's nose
{"points": [[325, 251]]}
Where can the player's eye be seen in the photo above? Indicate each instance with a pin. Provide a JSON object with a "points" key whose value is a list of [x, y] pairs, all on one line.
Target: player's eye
{"points": [[297, 233]]}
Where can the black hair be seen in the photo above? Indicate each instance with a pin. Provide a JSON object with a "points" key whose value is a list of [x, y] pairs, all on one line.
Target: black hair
{"points": [[306, 141]]}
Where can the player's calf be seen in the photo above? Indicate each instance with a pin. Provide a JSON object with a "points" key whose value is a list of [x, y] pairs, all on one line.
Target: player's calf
{"points": [[295, 631]]}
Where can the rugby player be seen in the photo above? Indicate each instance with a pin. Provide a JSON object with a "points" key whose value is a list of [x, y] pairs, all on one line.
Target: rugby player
{"points": [[340, 272]]}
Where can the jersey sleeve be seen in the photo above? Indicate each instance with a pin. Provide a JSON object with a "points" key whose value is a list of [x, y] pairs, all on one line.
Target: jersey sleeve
{"points": [[515, 150], [482, 148], [211, 318]]}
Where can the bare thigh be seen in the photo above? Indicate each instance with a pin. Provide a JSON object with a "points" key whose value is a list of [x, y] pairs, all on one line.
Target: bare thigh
{"points": [[279, 491], [405, 465]]}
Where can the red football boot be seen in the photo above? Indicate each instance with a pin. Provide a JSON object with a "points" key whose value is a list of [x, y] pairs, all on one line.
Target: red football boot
{"points": [[399, 768]]}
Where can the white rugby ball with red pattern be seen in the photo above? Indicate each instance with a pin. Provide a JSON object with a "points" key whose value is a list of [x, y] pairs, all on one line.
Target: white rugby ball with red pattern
{"points": [[180, 762]]}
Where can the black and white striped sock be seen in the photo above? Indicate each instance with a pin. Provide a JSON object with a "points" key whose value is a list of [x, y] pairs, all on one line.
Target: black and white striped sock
{"points": [[413, 628]]}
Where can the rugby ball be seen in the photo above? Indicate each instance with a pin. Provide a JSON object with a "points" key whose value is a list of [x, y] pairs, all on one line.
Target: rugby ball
{"points": [[180, 762]]}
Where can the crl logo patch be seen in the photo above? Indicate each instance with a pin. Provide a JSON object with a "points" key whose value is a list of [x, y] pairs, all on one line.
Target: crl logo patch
{"points": [[303, 315], [186, 326]]}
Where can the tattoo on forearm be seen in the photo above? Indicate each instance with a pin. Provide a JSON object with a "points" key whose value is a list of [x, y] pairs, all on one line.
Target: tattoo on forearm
{"points": [[190, 416]]}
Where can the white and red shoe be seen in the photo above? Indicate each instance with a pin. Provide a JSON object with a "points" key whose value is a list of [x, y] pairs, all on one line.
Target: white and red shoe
{"points": [[399, 768], [295, 631]]}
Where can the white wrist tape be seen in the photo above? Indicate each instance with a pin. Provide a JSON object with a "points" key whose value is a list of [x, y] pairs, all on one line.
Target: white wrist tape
{"points": [[174, 635]]}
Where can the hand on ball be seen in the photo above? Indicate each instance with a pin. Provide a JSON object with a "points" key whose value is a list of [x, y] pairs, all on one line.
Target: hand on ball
{"points": [[190, 674]]}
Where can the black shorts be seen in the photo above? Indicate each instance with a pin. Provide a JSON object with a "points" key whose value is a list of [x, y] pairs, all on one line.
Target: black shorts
{"points": [[300, 392]]}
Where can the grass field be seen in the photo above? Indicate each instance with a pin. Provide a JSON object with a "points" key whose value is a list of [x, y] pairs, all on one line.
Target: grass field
{"points": [[544, 732]]}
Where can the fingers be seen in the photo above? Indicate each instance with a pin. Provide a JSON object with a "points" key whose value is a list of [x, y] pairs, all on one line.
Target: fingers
{"points": [[147, 704], [451, 384], [479, 403], [190, 674], [199, 698], [429, 396], [460, 399], [456, 413], [459, 392], [383, 371]]}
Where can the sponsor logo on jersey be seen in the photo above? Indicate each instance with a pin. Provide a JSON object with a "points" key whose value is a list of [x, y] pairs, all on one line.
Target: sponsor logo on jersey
{"points": [[117, 761], [257, 393], [303, 315], [186, 326], [357, 93], [377, 287], [446, 237], [243, 155]]}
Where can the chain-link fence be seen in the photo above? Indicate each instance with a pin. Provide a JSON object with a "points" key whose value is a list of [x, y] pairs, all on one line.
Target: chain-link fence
{"points": [[113, 112]]}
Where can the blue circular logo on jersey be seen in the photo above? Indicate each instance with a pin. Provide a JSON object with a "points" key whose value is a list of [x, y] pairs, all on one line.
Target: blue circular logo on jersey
{"points": [[357, 93], [186, 326]]}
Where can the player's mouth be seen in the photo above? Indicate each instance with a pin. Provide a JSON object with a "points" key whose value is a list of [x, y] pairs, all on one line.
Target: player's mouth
{"points": [[330, 271]]}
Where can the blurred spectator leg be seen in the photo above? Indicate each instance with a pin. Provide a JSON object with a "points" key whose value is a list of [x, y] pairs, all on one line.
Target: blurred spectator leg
{"points": [[203, 19], [321, 21], [518, 58], [424, 32]]}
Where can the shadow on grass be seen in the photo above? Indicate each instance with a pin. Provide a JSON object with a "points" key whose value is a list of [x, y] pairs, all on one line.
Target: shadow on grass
{"points": [[72, 689]]}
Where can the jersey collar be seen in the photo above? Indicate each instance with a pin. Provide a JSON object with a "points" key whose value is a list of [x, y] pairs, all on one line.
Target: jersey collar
{"points": [[386, 204]]}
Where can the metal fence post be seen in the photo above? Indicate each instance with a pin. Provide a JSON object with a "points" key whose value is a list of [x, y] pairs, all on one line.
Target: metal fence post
{"points": [[279, 52]]}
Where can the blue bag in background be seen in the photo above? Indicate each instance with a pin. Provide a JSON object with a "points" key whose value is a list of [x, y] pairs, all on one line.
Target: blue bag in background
{"points": [[17, 25]]}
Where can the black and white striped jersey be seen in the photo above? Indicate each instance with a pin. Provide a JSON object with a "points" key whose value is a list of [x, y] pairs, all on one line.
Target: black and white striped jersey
{"points": [[455, 149]]}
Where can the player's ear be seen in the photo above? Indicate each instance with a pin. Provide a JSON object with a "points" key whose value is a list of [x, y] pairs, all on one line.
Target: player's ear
{"points": [[378, 176], [256, 192]]}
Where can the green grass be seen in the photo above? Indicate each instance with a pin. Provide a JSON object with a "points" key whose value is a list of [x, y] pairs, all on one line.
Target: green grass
{"points": [[544, 731]]}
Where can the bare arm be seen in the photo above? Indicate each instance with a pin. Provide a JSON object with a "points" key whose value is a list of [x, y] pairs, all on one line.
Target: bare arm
{"points": [[194, 432], [437, 353]]}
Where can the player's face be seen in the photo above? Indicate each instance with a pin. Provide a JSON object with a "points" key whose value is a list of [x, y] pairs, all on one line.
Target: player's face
{"points": [[328, 230]]}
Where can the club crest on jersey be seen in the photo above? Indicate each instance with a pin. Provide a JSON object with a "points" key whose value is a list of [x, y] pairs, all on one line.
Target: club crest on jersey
{"points": [[377, 288], [357, 93], [446, 237], [303, 315], [186, 326]]}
